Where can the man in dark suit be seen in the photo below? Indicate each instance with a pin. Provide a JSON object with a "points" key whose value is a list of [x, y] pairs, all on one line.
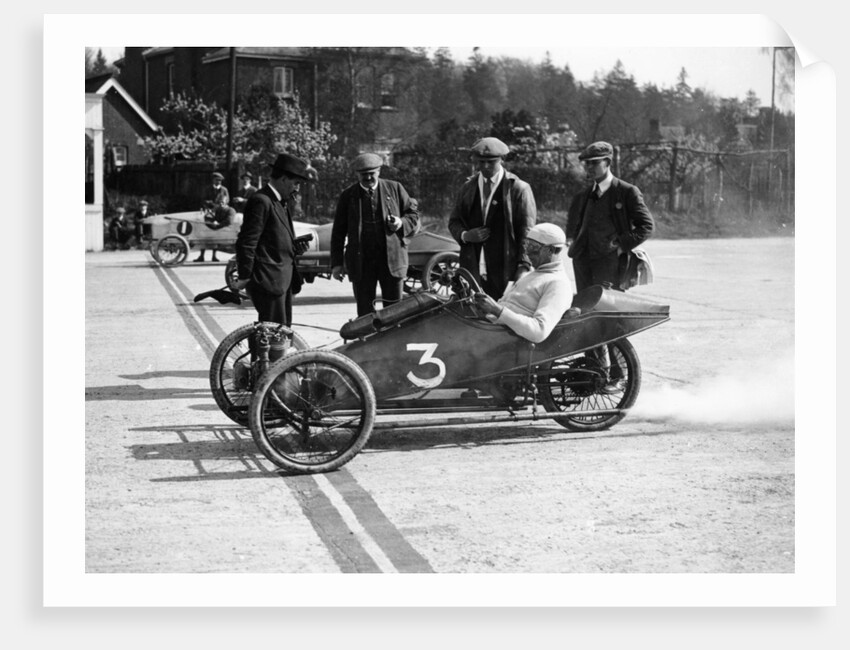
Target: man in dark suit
{"points": [[265, 246], [604, 223], [373, 223], [492, 214]]}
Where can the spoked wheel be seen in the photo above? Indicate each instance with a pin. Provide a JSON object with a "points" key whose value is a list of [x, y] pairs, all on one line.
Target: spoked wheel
{"points": [[313, 411], [232, 373], [438, 271], [580, 383], [171, 250]]}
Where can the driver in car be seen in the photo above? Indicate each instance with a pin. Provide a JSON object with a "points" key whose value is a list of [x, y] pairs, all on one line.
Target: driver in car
{"points": [[533, 305]]}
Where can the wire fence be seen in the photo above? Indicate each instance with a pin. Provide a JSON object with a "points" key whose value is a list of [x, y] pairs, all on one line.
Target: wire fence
{"points": [[677, 182]]}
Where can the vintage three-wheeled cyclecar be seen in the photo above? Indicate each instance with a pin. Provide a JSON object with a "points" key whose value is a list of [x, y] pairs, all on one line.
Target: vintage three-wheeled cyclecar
{"points": [[434, 356]]}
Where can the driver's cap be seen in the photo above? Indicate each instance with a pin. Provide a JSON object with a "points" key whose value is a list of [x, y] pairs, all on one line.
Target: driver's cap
{"points": [[548, 234]]}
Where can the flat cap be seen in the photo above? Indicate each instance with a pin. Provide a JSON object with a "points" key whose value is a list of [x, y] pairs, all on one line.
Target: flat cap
{"points": [[489, 148], [143, 202], [218, 176], [597, 151], [367, 162], [548, 234], [286, 163], [248, 175]]}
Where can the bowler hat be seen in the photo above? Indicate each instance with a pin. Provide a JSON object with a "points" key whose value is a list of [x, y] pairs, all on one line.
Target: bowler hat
{"points": [[218, 176], [292, 165], [489, 148], [366, 162], [597, 151]]}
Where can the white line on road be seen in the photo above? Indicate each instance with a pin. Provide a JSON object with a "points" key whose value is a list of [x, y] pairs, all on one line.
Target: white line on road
{"points": [[370, 546], [366, 540]]}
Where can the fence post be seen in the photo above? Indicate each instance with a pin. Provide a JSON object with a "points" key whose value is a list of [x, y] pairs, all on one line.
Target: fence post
{"points": [[671, 192], [750, 188]]}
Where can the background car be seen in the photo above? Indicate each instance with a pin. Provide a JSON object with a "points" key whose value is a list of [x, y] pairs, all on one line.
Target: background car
{"points": [[431, 256]]}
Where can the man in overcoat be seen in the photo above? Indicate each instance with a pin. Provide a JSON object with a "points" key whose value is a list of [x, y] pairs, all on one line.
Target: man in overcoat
{"points": [[491, 216], [265, 245], [605, 222], [373, 223]]}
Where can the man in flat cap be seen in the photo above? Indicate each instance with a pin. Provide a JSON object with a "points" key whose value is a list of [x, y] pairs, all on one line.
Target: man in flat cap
{"points": [[491, 215], [266, 247], [119, 229], [605, 222], [216, 201], [139, 220], [373, 224], [244, 192], [534, 305]]}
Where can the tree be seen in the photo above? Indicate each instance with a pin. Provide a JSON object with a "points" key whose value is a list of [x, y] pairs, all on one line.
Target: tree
{"points": [[261, 127], [485, 85]]}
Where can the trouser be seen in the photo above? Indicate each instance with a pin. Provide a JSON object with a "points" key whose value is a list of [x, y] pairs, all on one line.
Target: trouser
{"points": [[271, 308], [372, 274], [598, 270]]}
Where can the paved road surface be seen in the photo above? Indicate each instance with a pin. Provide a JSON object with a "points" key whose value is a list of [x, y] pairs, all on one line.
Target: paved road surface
{"points": [[699, 478]]}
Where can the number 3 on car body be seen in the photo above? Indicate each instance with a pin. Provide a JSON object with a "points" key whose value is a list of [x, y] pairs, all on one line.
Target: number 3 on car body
{"points": [[427, 357]]}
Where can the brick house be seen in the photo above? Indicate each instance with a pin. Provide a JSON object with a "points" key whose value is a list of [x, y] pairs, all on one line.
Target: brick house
{"points": [[125, 123]]}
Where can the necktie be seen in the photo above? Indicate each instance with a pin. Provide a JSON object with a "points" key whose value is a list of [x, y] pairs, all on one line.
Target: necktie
{"points": [[486, 195]]}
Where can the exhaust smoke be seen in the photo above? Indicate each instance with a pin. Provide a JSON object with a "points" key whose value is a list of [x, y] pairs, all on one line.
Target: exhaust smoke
{"points": [[746, 393]]}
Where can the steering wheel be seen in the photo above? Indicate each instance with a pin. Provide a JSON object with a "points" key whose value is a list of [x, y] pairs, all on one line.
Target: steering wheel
{"points": [[466, 286], [464, 283]]}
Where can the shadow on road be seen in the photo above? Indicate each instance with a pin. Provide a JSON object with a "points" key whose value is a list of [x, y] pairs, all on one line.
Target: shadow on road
{"points": [[190, 374], [229, 443], [132, 393]]}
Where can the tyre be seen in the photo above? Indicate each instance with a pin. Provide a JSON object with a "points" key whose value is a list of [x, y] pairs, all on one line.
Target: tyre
{"points": [[171, 250], [312, 411], [231, 275], [579, 383], [231, 372], [437, 273]]}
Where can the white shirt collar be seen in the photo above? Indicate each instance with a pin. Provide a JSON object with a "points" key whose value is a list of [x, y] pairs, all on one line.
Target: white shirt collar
{"points": [[605, 183], [497, 178], [275, 192]]}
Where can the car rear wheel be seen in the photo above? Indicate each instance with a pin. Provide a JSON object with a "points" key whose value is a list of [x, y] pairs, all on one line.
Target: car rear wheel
{"points": [[580, 383], [313, 411], [231, 371]]}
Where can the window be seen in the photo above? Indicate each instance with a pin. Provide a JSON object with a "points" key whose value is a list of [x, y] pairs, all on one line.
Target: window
{"points": [[284, 82], [364, 88], [119, 155], [388, 94]]}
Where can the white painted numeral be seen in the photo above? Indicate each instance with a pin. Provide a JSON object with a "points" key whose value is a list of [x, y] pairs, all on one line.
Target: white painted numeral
{"points": [[427, 357]]}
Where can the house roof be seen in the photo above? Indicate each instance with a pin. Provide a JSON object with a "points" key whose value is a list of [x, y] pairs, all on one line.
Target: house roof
{"points": [[101, 84], [260, 52]]}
